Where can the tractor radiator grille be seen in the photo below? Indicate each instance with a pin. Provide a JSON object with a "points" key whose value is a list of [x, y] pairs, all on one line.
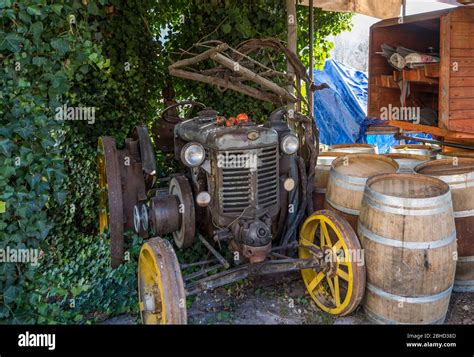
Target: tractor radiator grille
{"points": [[267, 177], [242, 186]]}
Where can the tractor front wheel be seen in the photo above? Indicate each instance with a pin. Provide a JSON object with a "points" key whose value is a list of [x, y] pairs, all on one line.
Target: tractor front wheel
{"points": [[161, 292], [339, 286]]}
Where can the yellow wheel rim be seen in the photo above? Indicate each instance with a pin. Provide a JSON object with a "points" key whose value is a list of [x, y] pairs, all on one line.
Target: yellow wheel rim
{"points": [[150, 287], [103, 199], [331, 292], [161, 294]]}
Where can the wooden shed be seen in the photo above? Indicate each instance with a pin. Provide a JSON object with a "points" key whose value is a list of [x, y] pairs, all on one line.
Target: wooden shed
{"points": [[447, 88]]}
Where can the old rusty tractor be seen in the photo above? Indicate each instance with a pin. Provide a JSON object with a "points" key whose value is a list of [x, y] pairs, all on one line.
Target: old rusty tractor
{"points": [[242, 191]]}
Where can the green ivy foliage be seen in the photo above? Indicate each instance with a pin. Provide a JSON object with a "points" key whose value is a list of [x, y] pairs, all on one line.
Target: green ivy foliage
{"points": [[74, 53], [111, 55]]}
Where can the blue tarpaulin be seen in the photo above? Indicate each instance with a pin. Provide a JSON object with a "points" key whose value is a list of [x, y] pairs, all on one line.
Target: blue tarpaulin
{"points": [[341, 110], [384, 142]]}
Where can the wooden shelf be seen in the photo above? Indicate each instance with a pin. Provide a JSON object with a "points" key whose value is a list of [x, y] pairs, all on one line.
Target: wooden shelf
{"points": [[386, 81], [425, 78], [422, 74], [432, 70]]}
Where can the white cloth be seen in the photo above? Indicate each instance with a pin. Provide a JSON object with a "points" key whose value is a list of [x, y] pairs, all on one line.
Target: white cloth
{"points": [[385, 9]]}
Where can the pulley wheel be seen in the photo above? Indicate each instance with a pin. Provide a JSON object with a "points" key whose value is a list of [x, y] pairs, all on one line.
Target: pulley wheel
{"points": [[179, 186], [339, 287], [140, 219], [111, 217], [161, 295]]}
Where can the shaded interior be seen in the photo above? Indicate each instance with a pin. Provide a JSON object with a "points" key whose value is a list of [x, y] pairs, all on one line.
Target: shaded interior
{"points": [[365, 167], [409, 187]]}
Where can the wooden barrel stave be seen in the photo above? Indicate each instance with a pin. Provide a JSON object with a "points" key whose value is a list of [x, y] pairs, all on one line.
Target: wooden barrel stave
{"points": [[321, 177], [458, 173], [346, 183]]}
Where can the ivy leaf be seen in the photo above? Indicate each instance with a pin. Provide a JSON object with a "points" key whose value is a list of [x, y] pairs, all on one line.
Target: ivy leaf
{"points": [[22, 83], [6, 146], [24, 131], [43, 229], [39, 61], [92, 8], [76, 290], [226, 28], [60, 45], [93, 57], [10, 294], [60, 197], [36, 29], [34, 10], [5, 3], [24, 17], [57, 8], [60, 82], [46, 144], [10, 41], [3, 207]]}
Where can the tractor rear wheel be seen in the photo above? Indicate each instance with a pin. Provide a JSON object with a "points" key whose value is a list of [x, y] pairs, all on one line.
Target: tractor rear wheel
{"points": [[111, 217]]}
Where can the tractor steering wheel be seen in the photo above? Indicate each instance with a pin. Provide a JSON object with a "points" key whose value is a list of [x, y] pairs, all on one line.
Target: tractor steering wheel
{"points": [[174, 119]]}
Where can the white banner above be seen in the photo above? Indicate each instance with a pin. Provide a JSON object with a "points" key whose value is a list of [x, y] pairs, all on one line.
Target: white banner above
{"points": [[385, 9]]}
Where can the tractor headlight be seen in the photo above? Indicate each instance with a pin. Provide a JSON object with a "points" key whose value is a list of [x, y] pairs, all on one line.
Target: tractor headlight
{"points": [[289, 144], [193, 154]]}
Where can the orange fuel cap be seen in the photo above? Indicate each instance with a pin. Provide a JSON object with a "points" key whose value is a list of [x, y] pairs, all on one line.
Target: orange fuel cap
{"points": [[231, 121], [242, 118]]}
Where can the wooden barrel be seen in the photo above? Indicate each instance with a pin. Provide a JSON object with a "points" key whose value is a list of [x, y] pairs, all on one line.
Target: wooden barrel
{"points": [[407, 162], [416, 149], [347, 179], [447, 155], [354, 148], [321, 176], [406, 228], [458, 173]]}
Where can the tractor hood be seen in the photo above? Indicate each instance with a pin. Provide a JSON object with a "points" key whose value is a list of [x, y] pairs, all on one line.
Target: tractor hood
{"points": [[206, 131]]}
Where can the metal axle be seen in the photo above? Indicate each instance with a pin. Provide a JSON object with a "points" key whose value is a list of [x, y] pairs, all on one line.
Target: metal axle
{"points": [[244, 271]]}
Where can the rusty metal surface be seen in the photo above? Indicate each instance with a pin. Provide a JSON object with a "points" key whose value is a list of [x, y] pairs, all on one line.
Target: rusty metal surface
{"points": [[318, 200], [245, 191], [115, 200], [126, 188], [256, 254], [163, 128], [244, 271], [214, 252], [132, 179], [147, 154], [164, 214]]}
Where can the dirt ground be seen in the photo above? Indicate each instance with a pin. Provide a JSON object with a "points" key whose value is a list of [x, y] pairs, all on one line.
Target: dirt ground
{"points": [[283, 300]]}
